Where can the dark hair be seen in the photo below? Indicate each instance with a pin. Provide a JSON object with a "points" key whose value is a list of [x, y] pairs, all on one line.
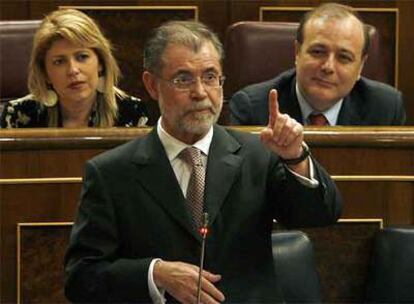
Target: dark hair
{"points": [[334, 10], [189, 33]]}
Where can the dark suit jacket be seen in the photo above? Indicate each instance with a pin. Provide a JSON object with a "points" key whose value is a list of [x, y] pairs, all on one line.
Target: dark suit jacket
{"points": [[369, 103], [132, 210]]}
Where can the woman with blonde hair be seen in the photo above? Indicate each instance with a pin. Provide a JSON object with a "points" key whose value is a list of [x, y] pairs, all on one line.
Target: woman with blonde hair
{"points": [[72, 79]]}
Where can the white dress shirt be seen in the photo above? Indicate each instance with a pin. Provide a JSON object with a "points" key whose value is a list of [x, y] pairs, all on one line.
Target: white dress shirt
{"points": [[182, 170], [331, 114], [173, 147]]}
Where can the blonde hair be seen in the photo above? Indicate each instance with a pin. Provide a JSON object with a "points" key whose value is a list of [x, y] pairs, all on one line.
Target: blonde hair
{"points": [[78, 28]]}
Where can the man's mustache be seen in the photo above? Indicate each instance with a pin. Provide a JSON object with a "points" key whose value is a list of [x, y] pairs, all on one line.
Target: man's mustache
{"points": [[202, 105]]}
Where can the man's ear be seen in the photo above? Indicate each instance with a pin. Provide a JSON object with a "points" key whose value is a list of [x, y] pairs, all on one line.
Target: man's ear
{"points": [[297, 49], [150, 83], [364, 59]]}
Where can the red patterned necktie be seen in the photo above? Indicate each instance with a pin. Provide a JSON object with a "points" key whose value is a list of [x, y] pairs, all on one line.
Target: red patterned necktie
{"points": [[195, 190], [318, 120]]}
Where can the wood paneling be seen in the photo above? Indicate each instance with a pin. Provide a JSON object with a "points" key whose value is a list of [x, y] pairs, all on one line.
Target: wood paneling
{"points": [[41, 250], [389, 200], [342, 254], [20, 203], [406, 55], [15, 10]]}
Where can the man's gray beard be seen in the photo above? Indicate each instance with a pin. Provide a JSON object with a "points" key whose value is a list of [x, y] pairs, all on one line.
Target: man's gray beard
{"points": [[200, 125]]}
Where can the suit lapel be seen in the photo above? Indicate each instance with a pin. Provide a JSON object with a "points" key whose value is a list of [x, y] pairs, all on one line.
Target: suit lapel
{"points": [[154, 173], [288, 101], [222, 168], [349, 114]]}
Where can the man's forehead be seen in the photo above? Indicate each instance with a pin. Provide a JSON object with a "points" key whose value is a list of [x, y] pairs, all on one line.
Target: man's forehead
{"points": [[323, 23], [202, 49], [178, 56], [347, 31]]}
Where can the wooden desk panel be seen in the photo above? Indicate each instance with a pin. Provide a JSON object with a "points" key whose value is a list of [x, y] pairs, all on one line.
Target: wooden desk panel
{"points": [[392, 201], [44, 163], [29, 202], [342, 254], [353, 161]]}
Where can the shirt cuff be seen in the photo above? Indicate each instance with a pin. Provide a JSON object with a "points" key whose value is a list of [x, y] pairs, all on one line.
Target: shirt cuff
{"points": [[311, 182], [156, 294]]}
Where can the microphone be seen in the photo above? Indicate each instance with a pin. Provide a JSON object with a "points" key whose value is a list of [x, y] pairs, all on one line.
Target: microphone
{"points": [[203, 232]]}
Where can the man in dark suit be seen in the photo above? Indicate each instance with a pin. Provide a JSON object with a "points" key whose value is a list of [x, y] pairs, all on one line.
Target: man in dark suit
{"points": [[136, 236], [331, 48]]}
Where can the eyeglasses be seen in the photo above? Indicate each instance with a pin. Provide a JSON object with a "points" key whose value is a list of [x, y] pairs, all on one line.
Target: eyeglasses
{"points": [[185, 82]]}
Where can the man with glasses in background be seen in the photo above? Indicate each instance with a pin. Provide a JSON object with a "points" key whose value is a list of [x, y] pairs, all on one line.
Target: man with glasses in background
{"points": [[136, 237]]}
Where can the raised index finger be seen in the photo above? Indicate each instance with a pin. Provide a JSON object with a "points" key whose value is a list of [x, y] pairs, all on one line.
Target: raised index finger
{"points": [[273, 108]]}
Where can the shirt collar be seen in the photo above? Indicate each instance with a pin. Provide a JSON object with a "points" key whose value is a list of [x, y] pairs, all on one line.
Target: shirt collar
{"points": [[331, 114], [173, 146]]}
